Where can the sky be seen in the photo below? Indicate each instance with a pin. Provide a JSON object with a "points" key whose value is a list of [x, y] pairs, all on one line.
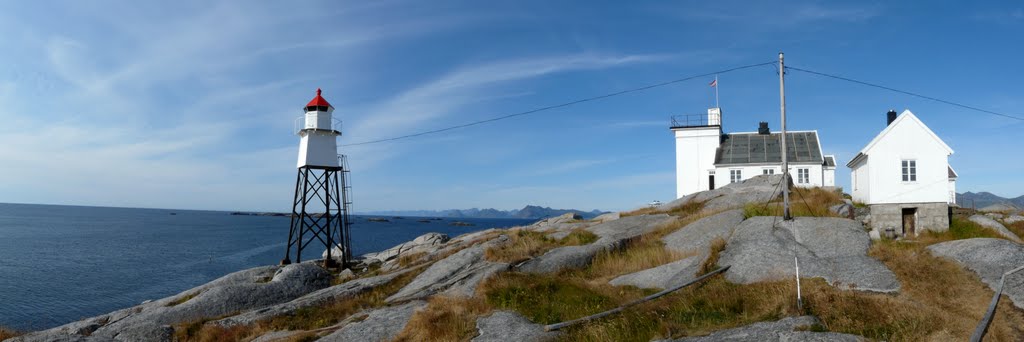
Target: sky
{"points": [[192, 104]]}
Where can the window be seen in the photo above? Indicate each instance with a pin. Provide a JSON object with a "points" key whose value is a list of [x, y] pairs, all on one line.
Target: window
{"points": [[768, 172], [735, 176], [909, 170], [803, 176]]}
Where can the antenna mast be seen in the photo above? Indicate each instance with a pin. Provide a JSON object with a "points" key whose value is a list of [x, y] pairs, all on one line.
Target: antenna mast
{"points": [[785, 163]]}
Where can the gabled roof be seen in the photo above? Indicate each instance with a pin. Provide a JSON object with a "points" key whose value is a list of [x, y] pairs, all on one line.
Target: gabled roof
{"points": [[830, 161], [754, 148], [908, 117], [952, 174]]}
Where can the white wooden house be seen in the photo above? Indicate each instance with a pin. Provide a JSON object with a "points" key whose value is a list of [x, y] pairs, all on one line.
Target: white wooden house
{"points": [[707, 158], [903, 174]]}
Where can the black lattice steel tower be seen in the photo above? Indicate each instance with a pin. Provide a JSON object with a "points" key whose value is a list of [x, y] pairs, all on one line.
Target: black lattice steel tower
{"points": [[321, 206]]}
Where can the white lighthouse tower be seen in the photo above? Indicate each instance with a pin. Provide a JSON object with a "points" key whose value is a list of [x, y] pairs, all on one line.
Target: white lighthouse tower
{"points": [[321, 206]]}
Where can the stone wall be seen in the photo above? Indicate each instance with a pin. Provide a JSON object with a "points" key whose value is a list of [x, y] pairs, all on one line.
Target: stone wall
{"points": [[930, 216]]}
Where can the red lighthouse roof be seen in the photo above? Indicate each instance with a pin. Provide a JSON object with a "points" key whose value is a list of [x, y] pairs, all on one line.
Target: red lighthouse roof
{"points": [[318, 101]]}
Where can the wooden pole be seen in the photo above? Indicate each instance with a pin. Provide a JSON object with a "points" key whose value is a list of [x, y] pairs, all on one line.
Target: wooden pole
{"points": [[785, 163]]}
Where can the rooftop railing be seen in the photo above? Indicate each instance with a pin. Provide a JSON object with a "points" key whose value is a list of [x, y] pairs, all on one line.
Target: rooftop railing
{"points": [[693, 120]]}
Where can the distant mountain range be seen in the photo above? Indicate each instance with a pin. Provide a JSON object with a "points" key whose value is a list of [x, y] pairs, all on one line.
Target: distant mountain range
{"points": [[528, 212], [984, 199]]}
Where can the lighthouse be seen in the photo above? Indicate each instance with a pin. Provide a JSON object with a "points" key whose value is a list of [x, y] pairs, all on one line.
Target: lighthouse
{"points": [[321, 205]]}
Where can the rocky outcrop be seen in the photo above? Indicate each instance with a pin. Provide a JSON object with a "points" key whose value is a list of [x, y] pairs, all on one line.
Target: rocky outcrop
{"points": [[457, 275], [664, 276], [608, 217], [425, 243], [506, 326], [377, 325], [611, 235], [328, 295], [989, 259], [786, 329], [762, 249], [560, 226], [694, 238], [697, 236], [994, 225], [1013, 219], [240, 291], [759, 189]]}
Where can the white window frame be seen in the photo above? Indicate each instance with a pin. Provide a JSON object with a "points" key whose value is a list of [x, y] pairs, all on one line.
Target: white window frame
{"points": [[735, 175], [768, 171], [803, 176], [908, 170]]}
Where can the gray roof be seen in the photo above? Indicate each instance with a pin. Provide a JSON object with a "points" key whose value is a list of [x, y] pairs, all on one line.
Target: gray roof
{"points": [[949, 170], [753, 148], [829, 161]]}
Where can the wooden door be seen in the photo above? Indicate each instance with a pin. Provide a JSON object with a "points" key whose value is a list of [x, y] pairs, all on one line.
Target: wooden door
{"points": [[909, 221], [711, 182]]}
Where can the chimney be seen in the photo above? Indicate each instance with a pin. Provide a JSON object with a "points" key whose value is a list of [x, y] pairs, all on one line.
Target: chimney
{"points": [[763, 128], [890, 117]]}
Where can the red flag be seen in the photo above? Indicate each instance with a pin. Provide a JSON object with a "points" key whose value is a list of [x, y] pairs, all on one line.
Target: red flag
{"points": [[713, 83]]}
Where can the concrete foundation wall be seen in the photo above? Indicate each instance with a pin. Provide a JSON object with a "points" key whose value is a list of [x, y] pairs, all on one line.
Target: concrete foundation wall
{"points": [[930, 216]]}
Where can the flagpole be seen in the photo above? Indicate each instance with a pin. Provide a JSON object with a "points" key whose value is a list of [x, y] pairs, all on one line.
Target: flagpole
{"points": [[716, 91]]}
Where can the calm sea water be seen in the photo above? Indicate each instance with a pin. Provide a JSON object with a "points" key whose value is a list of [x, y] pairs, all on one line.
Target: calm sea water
{"points": [[63, 263]]}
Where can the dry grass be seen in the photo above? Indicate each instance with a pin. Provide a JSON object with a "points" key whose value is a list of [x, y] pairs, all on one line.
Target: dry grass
{"points": [[643, 253], [1016, 228], [711, 263], [527, 244], [802, 202], [683, 210], [445, 319], [959, 228], [8, 333]]}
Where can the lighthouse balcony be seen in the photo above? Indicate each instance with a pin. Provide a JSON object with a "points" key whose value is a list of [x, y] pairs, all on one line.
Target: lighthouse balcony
{"points": [[305, 124]]}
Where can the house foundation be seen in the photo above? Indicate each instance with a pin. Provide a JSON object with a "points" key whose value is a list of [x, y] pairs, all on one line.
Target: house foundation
{"points": [[909, 219]]}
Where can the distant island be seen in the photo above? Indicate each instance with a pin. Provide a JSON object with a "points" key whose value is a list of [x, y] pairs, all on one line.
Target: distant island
{"points": [[527, 212], [984, 199]]}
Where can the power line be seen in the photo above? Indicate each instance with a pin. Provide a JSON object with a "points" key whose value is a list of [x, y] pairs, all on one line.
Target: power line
{"points": [[566, 104], [907, 93]]}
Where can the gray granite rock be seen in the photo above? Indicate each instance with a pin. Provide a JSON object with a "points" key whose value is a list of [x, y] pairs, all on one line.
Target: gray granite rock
{"points": [[425, 243], [664, 276], [608, 217], [697, 236], [380, 325], [1013, 219], [989, 259], [759, 189], [843, 210], [999, 208], [611, 235], [785, 329], [457, 275], [831, 248], [994, 225], [318, 298], [559, 227], [240, 291], [506, 326]]}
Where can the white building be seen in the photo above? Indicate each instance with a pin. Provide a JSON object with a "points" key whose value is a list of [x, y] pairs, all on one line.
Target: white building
{"points": [[903, 174], [706, 158]]}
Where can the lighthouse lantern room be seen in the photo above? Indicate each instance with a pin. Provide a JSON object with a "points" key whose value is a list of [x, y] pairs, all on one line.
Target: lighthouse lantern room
{"points": [[321, 205]]}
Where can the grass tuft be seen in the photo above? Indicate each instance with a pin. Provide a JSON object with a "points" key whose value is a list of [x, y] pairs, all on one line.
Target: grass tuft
{"points": [[526, 244], [1016, 228], [642, 253], [445, 319], [183, 299], [959, 228], [711, 263], [802, 202]]}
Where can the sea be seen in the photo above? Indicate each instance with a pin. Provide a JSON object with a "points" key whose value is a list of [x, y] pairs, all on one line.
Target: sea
{"points": [[60, 264]]}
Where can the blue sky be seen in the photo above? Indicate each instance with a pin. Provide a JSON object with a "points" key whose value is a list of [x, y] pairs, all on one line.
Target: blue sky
{"points": [[190, 104]]}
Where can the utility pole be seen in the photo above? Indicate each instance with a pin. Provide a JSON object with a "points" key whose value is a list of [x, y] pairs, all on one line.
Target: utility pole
{"points": [[785, 162]]}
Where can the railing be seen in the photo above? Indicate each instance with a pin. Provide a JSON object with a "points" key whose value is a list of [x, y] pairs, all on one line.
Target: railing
{"points": [[301, 124], [693, 120]]}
